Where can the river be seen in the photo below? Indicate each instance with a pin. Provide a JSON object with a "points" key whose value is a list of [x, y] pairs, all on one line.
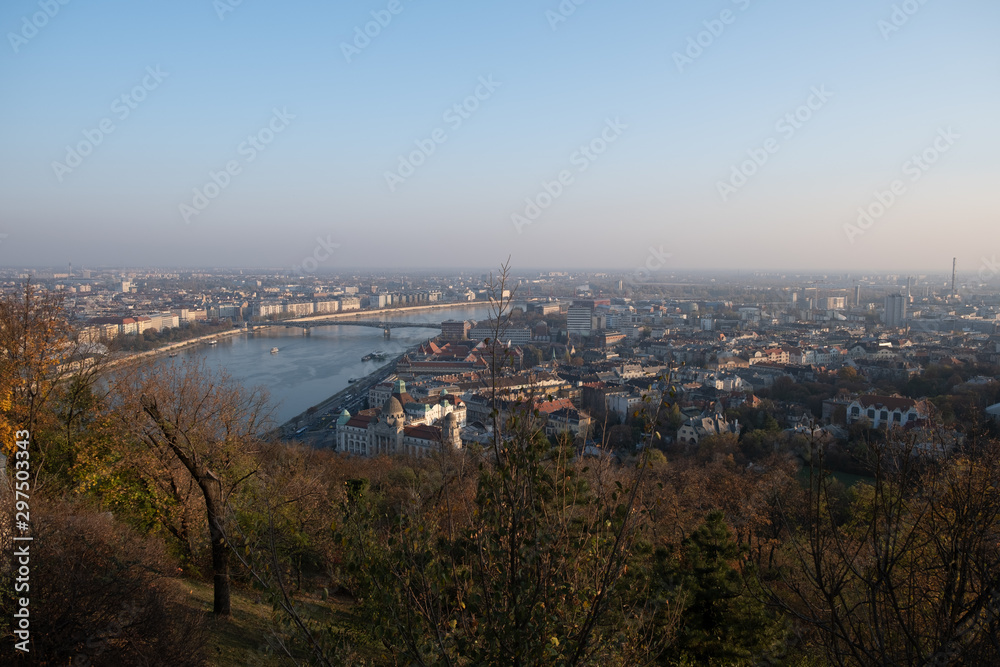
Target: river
{"points": [[308, 369]]}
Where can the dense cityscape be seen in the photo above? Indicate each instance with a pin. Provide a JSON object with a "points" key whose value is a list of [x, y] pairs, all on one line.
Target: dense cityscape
{"points": [[499, 334], [767, 396], [591, 339]]}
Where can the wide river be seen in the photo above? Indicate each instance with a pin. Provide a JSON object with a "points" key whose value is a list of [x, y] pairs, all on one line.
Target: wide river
{"points": [[308, 369]]}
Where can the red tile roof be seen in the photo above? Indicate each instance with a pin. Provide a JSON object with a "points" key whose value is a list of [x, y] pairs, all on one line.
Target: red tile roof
{"points": [[431, 433], [546, 406]]}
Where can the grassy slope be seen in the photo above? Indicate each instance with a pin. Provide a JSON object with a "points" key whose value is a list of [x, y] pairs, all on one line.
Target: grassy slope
{"points": [[242, 639], [239, 640]]}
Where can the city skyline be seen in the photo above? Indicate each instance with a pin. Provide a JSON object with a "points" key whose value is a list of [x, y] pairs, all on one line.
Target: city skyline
{"points": [[731, 136], [986, 272]]}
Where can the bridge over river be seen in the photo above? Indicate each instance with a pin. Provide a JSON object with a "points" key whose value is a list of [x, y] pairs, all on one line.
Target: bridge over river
{"points": [[385, 326]]}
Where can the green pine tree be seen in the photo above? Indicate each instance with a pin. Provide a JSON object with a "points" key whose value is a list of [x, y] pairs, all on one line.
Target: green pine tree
{"points": [[722, 623]]}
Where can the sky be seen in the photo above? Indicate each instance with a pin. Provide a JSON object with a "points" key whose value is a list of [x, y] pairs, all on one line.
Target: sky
{"points": [[732, 134]]}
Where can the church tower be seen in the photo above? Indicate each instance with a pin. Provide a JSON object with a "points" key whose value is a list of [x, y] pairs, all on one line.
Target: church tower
{"points": [[451, 435]]}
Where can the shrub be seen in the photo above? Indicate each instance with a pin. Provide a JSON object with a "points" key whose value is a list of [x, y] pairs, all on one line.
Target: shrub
{"points": [[100, 594]]}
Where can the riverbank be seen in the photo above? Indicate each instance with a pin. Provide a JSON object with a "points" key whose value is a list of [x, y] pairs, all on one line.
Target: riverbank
{"points": [[390, 311], [318, 419], [173, 347], [309, 379]]}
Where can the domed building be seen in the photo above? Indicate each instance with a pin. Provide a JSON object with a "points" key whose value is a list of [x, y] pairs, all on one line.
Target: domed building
{"points": [[385, 435], [393, 432]]}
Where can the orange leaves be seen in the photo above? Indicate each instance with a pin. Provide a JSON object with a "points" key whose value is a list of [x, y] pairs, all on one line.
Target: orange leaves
{"points": [[34, 342]]}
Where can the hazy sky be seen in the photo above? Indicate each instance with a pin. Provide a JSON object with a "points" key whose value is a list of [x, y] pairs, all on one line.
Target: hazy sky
{"points": [[667, 124]]}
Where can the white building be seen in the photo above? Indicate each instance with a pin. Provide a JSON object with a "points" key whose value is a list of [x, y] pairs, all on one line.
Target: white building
{"points": [[350, 303], [142, 323], [696, 428], [886, 410], [161, 321], [390, 434], [267, 309], [624, 403], [516, 335], [300, 309], [327, 306]]}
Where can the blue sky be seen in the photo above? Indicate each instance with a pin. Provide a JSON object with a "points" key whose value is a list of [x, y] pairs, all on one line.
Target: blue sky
{"points": [[666, 181]]}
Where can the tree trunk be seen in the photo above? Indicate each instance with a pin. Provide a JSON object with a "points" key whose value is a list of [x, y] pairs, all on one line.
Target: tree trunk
{"points": [[212, 488]]}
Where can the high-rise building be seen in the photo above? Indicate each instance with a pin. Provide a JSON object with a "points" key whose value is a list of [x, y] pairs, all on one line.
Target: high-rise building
{"points": [[895, 311], [455, 330], [579, 320]]}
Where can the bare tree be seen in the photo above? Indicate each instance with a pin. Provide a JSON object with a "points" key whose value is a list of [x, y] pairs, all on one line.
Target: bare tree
{"points": [[210, 426], [909, 572]]}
